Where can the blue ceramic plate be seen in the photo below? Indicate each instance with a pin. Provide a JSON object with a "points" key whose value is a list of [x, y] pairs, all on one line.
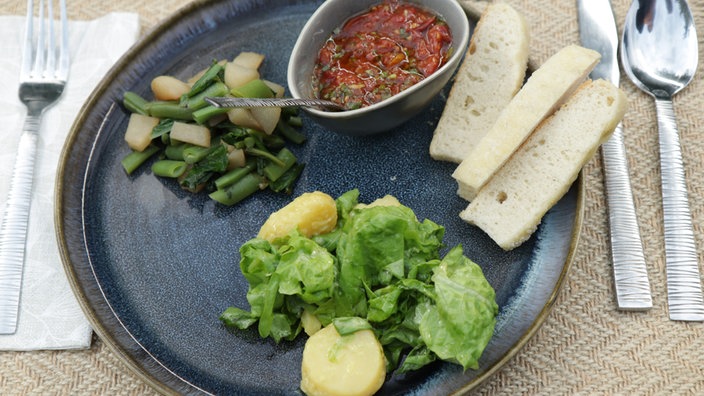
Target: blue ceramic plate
{"points": [[154, 266]]}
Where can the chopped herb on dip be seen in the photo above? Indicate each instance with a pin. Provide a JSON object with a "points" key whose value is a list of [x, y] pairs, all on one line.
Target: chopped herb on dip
{"points": [[380, 53]]}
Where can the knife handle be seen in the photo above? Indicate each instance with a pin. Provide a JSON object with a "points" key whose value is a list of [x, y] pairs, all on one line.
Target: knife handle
{"points": [[630, 274], [684, 292]]}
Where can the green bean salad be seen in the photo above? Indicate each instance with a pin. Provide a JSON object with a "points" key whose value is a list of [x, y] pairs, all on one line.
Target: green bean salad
{"points": [[229, 153]]}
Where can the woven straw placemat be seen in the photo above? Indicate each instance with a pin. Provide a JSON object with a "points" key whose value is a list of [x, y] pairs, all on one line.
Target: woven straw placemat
{"points": [[585, 346]]}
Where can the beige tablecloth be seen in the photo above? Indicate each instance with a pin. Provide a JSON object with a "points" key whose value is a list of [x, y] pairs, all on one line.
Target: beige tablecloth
{"points": [[585, 346]]}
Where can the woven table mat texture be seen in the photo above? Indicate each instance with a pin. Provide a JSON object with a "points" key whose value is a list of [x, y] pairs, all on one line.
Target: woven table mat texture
{"points": [[586, 346]]}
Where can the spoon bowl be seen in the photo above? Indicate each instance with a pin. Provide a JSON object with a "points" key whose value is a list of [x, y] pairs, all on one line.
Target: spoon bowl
{"points": [[659, 52]]}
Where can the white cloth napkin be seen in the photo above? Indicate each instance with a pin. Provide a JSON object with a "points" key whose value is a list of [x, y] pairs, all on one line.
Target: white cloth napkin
{"points": [[50, 317]]}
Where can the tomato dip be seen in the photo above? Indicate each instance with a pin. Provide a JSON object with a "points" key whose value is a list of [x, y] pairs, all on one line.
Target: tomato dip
{"points": [[379, 53]]}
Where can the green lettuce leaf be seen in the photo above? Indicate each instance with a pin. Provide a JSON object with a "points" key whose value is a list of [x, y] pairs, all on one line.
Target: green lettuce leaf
{"points": [[239, 318], [350, 324], [380, 245], [306, 269], [458, 327]]}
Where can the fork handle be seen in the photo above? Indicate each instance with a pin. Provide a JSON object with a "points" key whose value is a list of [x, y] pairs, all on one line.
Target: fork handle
{"points": [[13, 231], [684, 290]]}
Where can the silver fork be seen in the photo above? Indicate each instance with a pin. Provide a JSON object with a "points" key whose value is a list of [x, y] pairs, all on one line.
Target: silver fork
{"points": [[43, 75]]}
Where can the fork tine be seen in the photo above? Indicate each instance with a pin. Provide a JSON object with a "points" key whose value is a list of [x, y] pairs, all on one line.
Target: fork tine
{"points": [[42, 57], [39, 52], [50, 69], [27, 52], [64, 57]]}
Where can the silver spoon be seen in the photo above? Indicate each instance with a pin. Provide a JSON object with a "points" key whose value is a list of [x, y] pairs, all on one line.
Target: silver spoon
{"points": [[227, 102], [659, 54]]}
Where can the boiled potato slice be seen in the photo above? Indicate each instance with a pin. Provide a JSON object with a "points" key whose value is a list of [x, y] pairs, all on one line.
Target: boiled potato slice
{"points": [[335, 365], [191, 133], [238, 75], [311, 213], [278, 89], [139, 131], [243, 117], [310, 323], [267, 118], [250, 60], [169, 88], [235, 159]]}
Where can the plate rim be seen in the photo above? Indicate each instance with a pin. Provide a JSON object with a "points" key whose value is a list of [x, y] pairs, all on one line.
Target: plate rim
{"points": [[97, 325], [136, 367], [552, 298]]}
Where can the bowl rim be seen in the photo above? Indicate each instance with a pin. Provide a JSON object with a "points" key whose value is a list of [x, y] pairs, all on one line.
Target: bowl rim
{"points": [[460, 45]]}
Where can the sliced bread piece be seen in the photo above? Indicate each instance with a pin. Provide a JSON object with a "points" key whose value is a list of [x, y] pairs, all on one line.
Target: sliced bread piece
{"points": [[546, 90], [511, 205], [493, 70]]}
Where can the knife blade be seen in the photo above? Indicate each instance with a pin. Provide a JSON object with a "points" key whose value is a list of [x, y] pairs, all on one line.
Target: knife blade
{"points": [[597, 31]]}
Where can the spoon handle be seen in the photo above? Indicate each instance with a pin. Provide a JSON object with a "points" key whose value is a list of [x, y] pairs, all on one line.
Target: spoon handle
{"points": [[229, 102], [684, 290]]}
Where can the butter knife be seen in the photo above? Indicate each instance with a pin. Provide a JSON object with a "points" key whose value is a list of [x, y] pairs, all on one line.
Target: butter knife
{"points": [[597, 31]]}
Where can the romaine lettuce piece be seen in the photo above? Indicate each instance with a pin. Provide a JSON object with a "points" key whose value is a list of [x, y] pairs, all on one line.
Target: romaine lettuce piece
{"points": [[306, 269], [458, 327], [380, 245]]}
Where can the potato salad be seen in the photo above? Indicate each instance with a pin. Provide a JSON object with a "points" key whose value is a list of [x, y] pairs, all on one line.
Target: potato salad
{"points": [[369, 287]]}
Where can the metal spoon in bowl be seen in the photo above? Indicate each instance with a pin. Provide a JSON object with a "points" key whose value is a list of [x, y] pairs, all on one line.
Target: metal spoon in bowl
{"points": [[227, 102], [659, 54]]}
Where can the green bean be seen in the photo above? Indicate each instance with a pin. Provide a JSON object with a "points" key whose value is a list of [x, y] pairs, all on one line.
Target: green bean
{"points": [[193, 154], [290, 133], [286, 160], [265, 154], [253, 89], [253, 142], [162, 128], [295, 121], [202, 115], [133, 160], [289, 111], [134, 103], [233, 176], [169, 110], [175, 151], [286, 181], [198, 101], [238, 191], [169, 168], [205, 80], [265, 142], [274, 142]]}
